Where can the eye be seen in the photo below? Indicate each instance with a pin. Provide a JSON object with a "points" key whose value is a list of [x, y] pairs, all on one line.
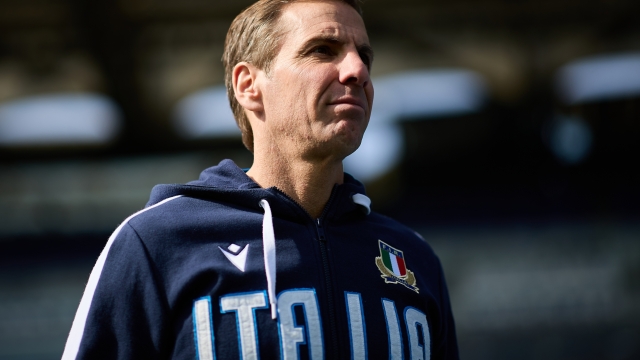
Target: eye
{"points": [[322, 49], [366, 59]]}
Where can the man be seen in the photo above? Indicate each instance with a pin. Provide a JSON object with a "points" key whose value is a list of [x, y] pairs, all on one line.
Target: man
{"points": [[285, 260]]}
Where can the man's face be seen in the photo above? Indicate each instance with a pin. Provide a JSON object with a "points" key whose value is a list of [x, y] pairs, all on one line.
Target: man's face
{"points": [[317, 95]]}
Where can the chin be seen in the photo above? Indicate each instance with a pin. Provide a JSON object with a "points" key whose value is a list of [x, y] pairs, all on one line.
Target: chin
{"points": [[347, 145], [338, 146], [354, 123], [343, 136]]}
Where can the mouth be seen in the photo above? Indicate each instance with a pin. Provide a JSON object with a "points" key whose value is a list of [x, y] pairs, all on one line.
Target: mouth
{"points": [[349, 101]]}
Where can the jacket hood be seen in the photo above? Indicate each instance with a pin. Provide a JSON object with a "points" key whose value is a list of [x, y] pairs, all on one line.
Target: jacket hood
{"points": [[226, 182]]}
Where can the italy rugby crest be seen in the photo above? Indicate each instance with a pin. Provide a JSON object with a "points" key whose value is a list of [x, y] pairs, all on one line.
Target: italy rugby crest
{"points": [[392, 266]]}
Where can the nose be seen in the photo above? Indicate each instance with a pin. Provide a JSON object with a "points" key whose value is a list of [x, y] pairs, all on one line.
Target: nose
{"points": [[353, 70]]}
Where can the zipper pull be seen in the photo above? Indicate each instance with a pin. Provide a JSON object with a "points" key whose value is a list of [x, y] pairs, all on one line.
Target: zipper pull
{"points": [[321, 236]]}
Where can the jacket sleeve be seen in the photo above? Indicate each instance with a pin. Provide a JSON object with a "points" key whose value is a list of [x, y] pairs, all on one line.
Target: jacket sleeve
{"points": [[123, 311], [446, 346]]}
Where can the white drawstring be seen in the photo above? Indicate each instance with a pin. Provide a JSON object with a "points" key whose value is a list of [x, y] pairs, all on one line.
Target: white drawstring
{"points": [[269, 245], [363, 201]]}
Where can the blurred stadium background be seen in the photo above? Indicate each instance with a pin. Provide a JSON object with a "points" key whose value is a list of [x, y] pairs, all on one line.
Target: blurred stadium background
{"points": [[506, 132]]}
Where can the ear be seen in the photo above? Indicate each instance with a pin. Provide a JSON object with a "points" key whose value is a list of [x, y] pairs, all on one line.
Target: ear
{"points": [[245, 86]]}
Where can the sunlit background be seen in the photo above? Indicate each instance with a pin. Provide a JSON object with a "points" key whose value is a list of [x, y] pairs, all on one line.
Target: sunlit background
{"points": [[506, 132]]}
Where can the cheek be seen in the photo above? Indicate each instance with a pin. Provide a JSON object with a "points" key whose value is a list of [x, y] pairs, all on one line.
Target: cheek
{"points": [[369, 93], [320, 78]]}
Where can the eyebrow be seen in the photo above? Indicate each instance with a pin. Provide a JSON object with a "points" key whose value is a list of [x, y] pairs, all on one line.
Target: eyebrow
{"points": [[319, 39]]}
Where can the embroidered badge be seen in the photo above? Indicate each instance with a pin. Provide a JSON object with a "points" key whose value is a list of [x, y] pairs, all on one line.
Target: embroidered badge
{"points": [[392, 266]]}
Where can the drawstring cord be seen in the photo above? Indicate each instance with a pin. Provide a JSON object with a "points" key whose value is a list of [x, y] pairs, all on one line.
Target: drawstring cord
{"points": [[269, 244], [363, 201]]}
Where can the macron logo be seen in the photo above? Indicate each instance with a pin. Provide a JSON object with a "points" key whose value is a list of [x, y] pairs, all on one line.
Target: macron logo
{"points": [[238, 259]]}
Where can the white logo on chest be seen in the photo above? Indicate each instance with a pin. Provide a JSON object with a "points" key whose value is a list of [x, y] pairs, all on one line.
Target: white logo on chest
{"points": [[238, 259]]}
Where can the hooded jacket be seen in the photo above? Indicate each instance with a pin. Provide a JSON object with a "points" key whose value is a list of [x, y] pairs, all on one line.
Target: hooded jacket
{"points": [[221, 268]]}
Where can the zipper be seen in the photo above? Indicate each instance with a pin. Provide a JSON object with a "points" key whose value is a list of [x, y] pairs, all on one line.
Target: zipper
{"points": [[329, 291], [333, 327], [322, 241]]}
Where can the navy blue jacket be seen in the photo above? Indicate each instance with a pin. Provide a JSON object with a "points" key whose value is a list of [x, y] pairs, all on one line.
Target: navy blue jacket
{"points": [[187, 278]]}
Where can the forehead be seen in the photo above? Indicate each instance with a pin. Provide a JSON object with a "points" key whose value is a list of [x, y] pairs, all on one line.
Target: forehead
{"points": [[304, 20]]}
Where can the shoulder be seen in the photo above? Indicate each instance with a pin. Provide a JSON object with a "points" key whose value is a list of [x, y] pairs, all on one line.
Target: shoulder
{"points": [[181, 212], [183, 220], [393, 225]]}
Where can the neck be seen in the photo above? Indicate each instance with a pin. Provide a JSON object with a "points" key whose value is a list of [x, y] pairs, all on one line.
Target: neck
{"points": [[308, 182]]}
